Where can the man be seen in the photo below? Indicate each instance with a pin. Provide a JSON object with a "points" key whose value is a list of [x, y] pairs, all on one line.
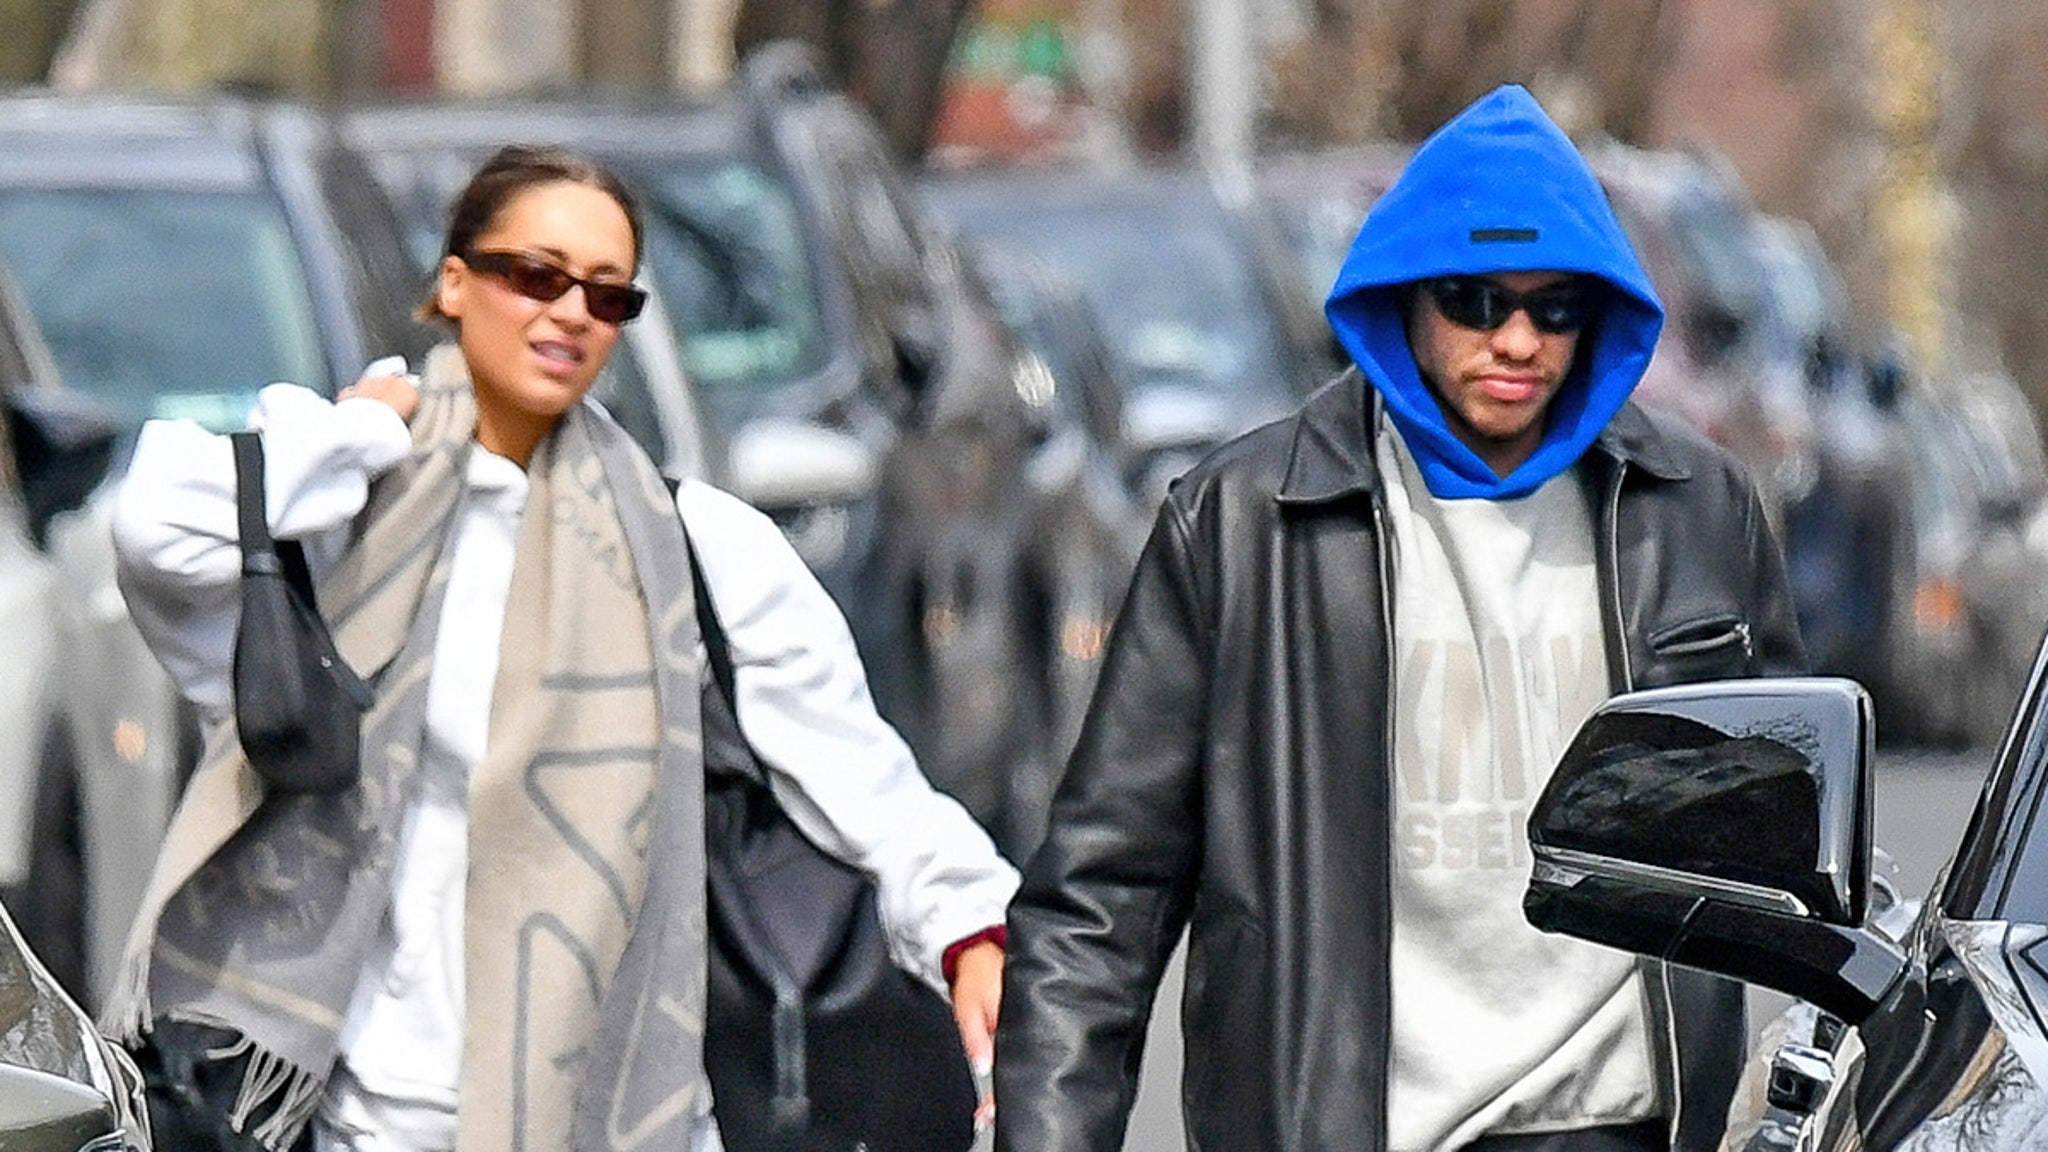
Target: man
{"points": [[1355, 644]]}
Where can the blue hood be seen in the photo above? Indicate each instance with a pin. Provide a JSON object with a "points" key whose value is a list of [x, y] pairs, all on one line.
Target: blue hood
{"points": [[1498, 189]]}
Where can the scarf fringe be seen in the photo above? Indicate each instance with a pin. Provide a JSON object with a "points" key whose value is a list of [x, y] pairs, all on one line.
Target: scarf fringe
{"points": [[126, 1017], [271, 1079]]}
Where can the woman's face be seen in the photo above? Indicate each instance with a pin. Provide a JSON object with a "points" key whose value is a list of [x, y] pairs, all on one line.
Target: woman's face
{"points": [[531, 360]]}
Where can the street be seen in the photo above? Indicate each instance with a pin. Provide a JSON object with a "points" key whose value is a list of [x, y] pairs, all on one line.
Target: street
{"points": [[1924, 798]]}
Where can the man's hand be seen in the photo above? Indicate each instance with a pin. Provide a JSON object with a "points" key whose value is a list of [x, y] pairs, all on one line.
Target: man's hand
{"points": [[385, 381], [977, 999]]}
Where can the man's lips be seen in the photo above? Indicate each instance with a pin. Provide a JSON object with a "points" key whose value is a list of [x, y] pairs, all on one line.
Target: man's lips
{"points": [[1511, 389]]}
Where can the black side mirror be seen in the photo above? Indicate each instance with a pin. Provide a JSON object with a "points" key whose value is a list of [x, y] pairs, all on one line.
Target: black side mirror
{"points": [[63, 446], [1722, 826]]}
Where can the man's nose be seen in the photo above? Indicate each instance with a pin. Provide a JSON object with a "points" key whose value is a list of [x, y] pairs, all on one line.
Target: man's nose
{"points": [[1517, 338]]}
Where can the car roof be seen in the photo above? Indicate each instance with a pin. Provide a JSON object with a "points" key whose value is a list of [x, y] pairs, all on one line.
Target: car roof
{"points": [[214, 141], [1009, 189], [617, 128]]}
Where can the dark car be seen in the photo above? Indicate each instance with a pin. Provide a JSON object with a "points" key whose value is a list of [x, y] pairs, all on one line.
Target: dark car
{"points": [[867, 392], [1727, 827], [1211, 332], [1090, 512], [177, 255]]}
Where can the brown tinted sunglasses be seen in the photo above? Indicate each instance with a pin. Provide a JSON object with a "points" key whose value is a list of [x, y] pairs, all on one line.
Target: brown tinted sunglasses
{"points": [[536, 279]]}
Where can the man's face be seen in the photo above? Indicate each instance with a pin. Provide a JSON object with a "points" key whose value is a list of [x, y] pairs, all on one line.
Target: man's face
{"points": [[1495, 383]]}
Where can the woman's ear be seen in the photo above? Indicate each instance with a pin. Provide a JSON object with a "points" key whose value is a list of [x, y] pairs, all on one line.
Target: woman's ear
{"points": [[448, 291]]}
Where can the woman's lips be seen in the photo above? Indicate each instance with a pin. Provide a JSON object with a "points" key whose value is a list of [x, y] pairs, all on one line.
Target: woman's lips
{"points": [[557, 355]]}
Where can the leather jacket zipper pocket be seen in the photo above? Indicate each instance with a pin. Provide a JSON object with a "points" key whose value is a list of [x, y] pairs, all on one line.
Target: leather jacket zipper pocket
{"points": [[1707, 636]]}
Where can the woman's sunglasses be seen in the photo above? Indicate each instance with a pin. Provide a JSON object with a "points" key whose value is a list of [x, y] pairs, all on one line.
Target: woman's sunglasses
{"points": [[536, 279], [1483, 305]]}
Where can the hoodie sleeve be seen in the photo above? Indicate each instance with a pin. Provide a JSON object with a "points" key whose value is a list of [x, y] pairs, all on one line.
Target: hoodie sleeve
{"points": [[175, 537], [841, 772]]}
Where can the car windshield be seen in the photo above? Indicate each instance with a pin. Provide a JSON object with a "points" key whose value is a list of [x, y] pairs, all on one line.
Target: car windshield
{"points": [[164, 303], [725, 247], [1177, 296]]}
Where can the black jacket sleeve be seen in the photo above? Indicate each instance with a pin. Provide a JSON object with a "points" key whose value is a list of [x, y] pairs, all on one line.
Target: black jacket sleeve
{"points": [[1105, 899]]}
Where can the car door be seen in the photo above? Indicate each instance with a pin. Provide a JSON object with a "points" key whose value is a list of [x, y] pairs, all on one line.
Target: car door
{"points": [[34, 754]]}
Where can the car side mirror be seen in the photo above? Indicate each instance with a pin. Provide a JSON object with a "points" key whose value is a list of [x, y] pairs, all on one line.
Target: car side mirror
{"points": [[63, 445], [1723, 826], [787, 464]]}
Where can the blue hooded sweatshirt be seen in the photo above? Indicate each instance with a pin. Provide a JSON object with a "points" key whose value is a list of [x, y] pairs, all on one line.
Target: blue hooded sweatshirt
{"points": [[1497, 189]]}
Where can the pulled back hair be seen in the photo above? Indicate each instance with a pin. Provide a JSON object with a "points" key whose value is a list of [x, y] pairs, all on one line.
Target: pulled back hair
{"points": [[510, 171]]}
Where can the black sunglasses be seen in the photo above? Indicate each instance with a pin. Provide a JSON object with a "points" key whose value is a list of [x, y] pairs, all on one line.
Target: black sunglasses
{"points": [[1483, 305], [536, 279]]}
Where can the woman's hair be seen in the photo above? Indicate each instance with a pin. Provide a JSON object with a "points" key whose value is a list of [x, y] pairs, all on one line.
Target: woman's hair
{"points": [[511, 170]]}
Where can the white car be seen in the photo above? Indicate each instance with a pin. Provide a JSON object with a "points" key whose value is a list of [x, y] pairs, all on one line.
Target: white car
{"points": [[55, 450]]}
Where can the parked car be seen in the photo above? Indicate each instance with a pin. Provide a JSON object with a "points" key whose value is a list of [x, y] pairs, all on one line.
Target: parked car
{"points": [[1965, 627], [63, 1087], [1089, 517], [1318, 201], [1210, 330], [1848, 538], [1727, 827], [177, 256], [54, 450], [868, 395]]}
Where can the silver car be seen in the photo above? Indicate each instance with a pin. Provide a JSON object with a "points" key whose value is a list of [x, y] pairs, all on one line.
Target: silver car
{"points": [[63, 1087], [55, 449]]}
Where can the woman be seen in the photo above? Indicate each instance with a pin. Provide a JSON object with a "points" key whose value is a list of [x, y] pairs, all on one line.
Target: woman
{"points": [[498, 934]]}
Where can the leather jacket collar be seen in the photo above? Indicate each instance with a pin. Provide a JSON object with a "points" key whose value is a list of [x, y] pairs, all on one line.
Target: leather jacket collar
{"points": [[1332, 456]]}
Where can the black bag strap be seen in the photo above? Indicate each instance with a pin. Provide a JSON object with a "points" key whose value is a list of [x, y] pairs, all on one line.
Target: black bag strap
{"points": [[262, 555], [742, 760], [716, 648], [790, 1101]]}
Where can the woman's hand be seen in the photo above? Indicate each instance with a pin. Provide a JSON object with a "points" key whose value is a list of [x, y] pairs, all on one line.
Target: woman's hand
{"points": [[977, 999], [385, 381]]}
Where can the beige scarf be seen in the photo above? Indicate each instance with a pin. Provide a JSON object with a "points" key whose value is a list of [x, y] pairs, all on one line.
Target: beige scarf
{"points": [[584, 938]]}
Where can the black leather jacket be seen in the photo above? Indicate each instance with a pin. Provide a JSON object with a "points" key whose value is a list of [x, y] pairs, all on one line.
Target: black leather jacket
{"points": [[1233, 774]]}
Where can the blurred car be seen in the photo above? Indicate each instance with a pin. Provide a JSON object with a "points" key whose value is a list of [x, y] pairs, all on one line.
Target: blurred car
{"points": [[1848, 538], [1965, 624], [1318, 201], [1727, 827], [867, 393], [55, 449], [1717, 364], [63, 1087], [1089, 519], [178, 255], [1210, 332]]}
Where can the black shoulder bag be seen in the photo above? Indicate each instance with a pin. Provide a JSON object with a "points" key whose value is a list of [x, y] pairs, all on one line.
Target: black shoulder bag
{"points": [[298, 705], [814, 1040]]}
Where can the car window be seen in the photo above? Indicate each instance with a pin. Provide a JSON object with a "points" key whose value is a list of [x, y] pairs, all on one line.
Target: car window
{"points": [[1179, 301], [164, 303], [2001, 869], [726, 249]]}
